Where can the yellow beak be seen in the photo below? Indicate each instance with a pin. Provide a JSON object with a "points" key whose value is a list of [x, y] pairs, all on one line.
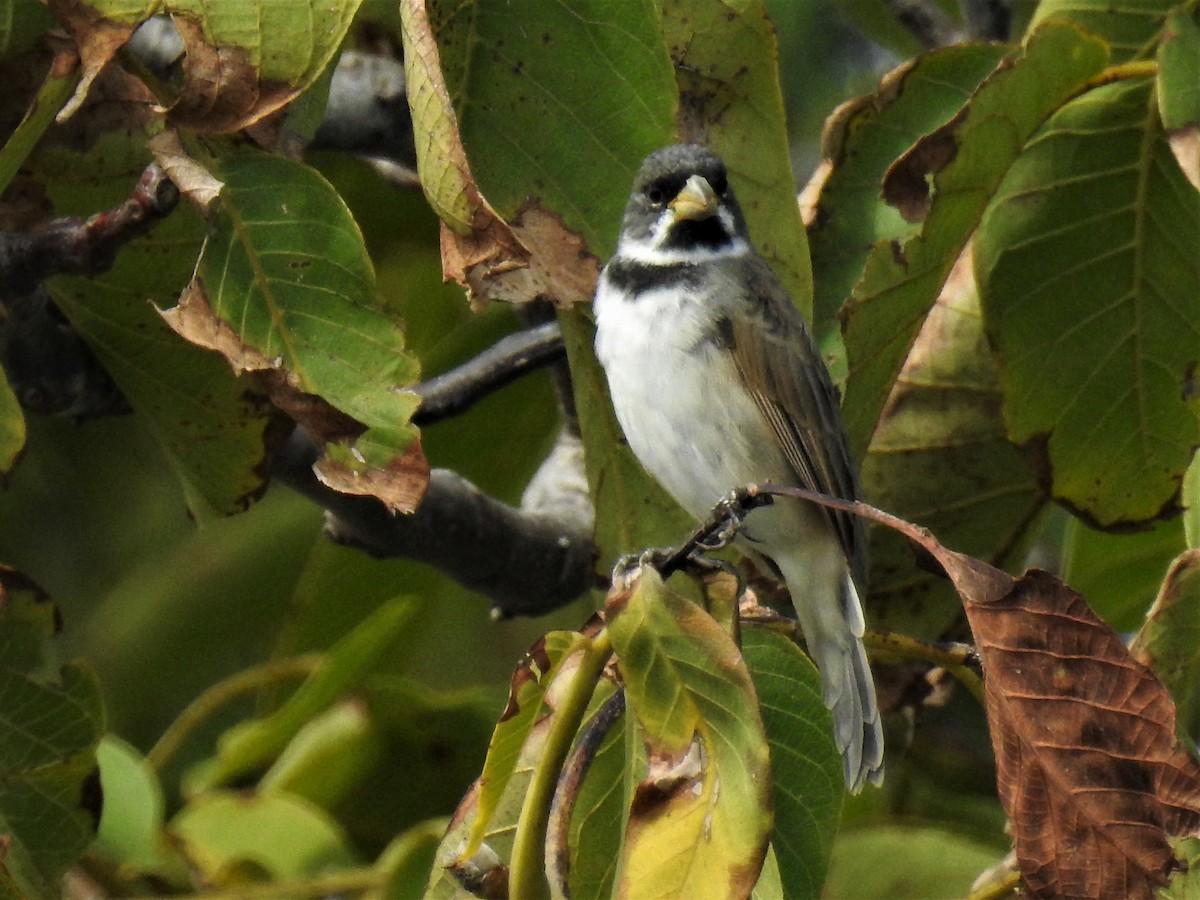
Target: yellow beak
{"points": [[695, 200]]}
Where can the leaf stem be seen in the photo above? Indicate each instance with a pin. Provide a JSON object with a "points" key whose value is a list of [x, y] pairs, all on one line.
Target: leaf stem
{"points": [[54, 92], [955, 658], [222, 693], [527, 878]]}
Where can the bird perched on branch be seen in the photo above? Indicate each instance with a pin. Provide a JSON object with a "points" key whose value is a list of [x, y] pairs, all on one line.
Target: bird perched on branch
{"points": [[717, 384]]}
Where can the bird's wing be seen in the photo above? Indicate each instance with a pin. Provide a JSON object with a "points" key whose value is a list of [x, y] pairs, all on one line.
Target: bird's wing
{"points": [[776, 356]]}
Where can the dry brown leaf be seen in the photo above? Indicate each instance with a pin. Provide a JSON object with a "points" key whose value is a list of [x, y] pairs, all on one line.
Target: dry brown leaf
{"points": [[907, 181], [223, 89], [98, 38], [400, 484], [558, 267], [1089, 770], [193, 180]]}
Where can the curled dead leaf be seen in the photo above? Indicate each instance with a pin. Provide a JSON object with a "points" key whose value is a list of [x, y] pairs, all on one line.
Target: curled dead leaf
{"points": [[193, 180], [1089, 769]]}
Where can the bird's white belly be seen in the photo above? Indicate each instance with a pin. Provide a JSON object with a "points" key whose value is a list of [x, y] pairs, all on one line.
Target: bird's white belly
{"points": [[681, 405]]}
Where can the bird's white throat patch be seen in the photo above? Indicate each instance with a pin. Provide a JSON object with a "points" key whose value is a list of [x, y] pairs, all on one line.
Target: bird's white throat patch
{"points": [[650, 249]]}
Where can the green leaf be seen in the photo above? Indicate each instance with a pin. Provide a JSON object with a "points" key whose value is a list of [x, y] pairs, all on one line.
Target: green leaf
{"points": [[940, 457], [1118, 573], [407, 861], [209, 426], [435, 743], [806, 769], [727, 68], [862, 139], [253, 745], [286, 275], [12, 427], [1086, 267], [598, 816], [889, 861], [485, 832], [1178, 87], [245, 60], [559, 104], [701, 818], [1169, 640], [51, 720], [227, 836], [1129, 28], [130, 833], [22, 23], [900, 283], [531, 681]]}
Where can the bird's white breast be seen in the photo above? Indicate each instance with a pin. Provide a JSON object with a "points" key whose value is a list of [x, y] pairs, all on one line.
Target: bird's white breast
{"points": [[679, 398]]}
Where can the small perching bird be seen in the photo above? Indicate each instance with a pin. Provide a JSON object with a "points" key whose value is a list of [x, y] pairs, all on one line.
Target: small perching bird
{"points": [[717, 384]]}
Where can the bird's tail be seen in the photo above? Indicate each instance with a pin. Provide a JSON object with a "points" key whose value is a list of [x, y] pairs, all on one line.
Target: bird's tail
{"points": [[834, 637]]}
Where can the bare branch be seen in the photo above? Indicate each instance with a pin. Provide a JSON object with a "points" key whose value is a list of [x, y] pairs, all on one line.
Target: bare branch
{"points": [[84, 247], [527, 562]]}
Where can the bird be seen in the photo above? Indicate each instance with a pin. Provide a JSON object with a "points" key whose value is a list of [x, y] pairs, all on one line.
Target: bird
{"points": [[717, 383]]}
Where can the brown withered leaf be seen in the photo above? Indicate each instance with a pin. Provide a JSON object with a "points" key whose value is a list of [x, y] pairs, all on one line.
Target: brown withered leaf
{"points": [[473, 234], [223, 89], [536, 256], [906, 182], [1089, 770], [400, 484], [558, 268], [194, 181], [98, 37]]}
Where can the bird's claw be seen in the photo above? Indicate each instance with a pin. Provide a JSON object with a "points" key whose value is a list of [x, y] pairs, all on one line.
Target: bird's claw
{"points": [[653, 557]]}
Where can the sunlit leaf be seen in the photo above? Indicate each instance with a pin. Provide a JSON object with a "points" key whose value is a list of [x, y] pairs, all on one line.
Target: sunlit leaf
{"points": [[225, 834], [862, 139], [727, 68], [243, 60], [940, 457], [1087, 274], [285, 289], [701, 817], [539, 97]]}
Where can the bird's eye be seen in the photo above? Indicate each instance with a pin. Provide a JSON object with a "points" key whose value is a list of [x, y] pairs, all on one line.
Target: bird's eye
{"points": [[655, 195], [720, 185]]}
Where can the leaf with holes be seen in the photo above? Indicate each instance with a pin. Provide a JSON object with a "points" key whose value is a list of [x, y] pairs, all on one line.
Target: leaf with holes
{"points": [[967, 159], [701, 817], [1087, 270]]}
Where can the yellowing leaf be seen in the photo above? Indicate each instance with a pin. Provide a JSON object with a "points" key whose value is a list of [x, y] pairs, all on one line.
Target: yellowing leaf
{"points": [[701, 817]]}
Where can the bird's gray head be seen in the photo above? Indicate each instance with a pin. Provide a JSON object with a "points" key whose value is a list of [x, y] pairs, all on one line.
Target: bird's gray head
{"points": [[682, 205]]}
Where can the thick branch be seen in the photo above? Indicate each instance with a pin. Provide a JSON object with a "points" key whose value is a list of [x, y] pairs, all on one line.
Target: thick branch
{"points": [[83, 247], [526, 561]]}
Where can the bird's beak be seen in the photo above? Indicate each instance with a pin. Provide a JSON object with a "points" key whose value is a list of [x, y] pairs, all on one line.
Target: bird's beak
{"points": [[695, 200]]}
